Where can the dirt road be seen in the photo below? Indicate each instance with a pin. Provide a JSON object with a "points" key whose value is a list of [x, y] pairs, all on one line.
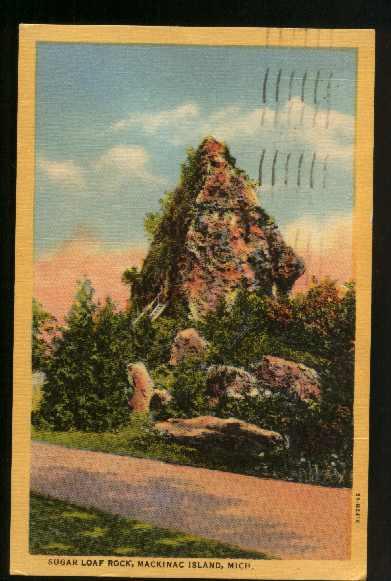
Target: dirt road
{"points": [[282, 519]]}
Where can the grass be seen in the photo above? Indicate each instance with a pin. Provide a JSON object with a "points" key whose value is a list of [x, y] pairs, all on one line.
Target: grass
{"points": [[60, 528], [139, 439]]}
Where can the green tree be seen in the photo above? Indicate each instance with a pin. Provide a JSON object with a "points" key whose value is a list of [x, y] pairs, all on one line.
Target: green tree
{"points": [[43, 327], [238, 333], [86, 374], [114, 350], [130, 275], [70, 371]]}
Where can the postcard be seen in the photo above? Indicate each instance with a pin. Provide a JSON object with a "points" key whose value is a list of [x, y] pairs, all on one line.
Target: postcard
{"points": [[192, 302]]}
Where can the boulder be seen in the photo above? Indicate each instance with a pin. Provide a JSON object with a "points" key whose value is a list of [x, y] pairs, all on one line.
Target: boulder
{"points": [[187, 343], [212, 431], [231, 382], [143, 387], [275, 373]]}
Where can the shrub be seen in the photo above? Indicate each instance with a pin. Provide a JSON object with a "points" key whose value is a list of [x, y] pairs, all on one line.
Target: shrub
{"points": [[315, 328], [189, 389]]}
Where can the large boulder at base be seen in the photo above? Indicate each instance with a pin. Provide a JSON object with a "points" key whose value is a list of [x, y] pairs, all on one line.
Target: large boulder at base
{"points": [[187, 343], [142, 385], [276, 374], [212, 431], [231, 382]]}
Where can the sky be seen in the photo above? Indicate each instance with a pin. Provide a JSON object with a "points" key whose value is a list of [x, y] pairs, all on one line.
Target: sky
{"points": [[113, 123]]}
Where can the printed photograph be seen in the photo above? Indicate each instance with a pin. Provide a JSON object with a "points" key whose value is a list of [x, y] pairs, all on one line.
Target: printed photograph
{"points": [[193, 336]]}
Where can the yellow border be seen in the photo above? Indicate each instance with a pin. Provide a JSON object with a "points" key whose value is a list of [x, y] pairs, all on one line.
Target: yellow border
{"points": [[363, 40]]}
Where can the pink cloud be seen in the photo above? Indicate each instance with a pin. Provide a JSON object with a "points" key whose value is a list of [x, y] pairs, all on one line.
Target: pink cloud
{"points": [[325, 246], [56, 274]]}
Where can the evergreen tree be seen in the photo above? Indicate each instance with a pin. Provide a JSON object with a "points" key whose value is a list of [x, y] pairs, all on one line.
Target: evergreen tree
{"points": [[113, 344], [69, 374], [86, 375]]}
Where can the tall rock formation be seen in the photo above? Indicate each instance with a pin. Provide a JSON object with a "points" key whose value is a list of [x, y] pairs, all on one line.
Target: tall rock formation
{"points": [[213, 237]]}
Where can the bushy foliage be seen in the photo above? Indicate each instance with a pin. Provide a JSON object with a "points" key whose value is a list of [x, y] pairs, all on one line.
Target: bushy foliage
{"points": [[188, 389], [323, 322], [242, 333], [314, 328], [86, 377], [86, 374], [153, 220], [152, 340], [322, 319]]}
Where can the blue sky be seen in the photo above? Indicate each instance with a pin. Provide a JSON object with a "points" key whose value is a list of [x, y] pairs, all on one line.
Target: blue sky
{"points": [[114, 123]]}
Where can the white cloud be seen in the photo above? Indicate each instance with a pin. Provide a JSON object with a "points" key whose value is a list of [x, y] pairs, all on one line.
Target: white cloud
{"points": [[327, 132], [232, 123], [296, 126], [152, 122], [295, 123], [112, 171], [65, 172], [127, 161], [124, 158]]}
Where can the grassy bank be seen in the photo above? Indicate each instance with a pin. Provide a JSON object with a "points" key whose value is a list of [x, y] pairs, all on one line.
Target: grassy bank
{"points": [[140, 440], [59, 528], [137, 439]]}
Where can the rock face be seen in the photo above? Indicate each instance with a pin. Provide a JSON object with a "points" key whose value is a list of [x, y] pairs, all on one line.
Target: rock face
{"points": [[213, 238], [211, 431], [187, 343], [143, 387], [231, 240], [276, 373], [230, 382]]}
